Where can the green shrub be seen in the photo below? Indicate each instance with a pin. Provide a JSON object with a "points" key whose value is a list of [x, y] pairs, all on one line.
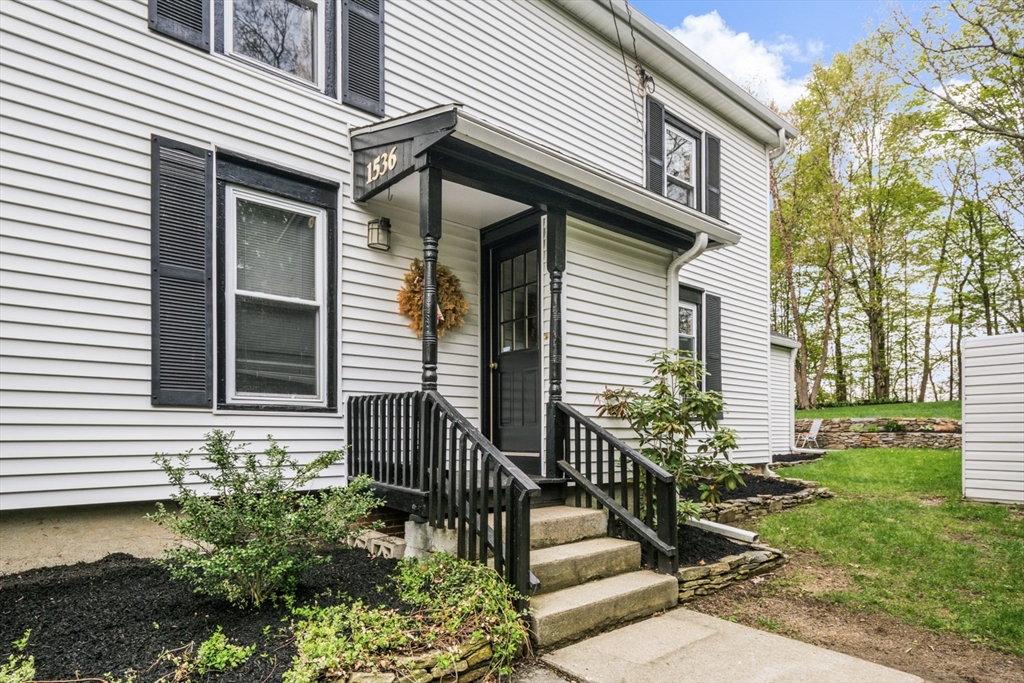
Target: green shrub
{"points": [[863, 429], [454, 600], [894, 426], [19, 668], [666, 417], [254, 533]]}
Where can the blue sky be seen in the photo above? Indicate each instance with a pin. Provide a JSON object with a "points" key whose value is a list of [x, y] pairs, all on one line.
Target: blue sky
{"points": [[763, 45]]}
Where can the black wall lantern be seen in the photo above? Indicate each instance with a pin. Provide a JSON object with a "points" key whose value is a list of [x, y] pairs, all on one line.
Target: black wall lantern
{"points": [[378, 234]]}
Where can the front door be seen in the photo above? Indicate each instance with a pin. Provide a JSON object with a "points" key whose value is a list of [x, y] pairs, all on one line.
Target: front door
{"points": [[514, 347]]}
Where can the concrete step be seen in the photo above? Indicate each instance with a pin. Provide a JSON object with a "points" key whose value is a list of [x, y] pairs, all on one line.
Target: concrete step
{"points": [[571, 613], [571, 564], [559, 524]]}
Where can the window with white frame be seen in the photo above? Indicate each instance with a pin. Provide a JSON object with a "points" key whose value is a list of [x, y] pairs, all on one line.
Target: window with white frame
{"points": [[688, 327], [682, 164], [274, 300], [287, 35]]}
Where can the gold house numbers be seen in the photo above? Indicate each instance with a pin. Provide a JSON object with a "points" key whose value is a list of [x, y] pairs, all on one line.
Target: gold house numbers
{"points": [[381, 164]]}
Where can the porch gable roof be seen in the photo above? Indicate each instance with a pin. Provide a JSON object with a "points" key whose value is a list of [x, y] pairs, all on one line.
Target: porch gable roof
{"points": [[476, 153]]}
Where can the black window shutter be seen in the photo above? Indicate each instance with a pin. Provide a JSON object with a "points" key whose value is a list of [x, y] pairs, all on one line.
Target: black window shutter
{"points": [[714, 183], [362, 66], [184, 20], [713, 342], [182, 263], [655, 146]]}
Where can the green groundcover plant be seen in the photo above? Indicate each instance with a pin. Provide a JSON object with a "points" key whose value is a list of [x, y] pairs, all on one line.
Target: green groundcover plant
{"points": [[454, 601], [249, 529]]}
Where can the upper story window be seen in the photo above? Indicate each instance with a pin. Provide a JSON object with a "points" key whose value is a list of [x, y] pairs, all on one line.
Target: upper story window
{"points": [[287, 35], [335, 46], [683, 163]]}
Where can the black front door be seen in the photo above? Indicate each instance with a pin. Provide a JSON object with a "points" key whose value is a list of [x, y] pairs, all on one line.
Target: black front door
{"points": [[514, 347]]}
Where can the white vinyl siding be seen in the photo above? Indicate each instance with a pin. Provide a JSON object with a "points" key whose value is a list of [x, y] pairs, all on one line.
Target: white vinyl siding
{"points": [[84, 86], [993, 418], [781, 400]]}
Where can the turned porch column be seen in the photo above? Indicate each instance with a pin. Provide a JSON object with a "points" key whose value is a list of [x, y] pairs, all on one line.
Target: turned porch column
{"points": [[430, 233], [556, 267]]}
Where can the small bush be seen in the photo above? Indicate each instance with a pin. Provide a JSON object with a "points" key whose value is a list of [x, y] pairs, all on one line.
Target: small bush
{"points": [[863, 429], [19, 668], [255, 532], [894, 426]]}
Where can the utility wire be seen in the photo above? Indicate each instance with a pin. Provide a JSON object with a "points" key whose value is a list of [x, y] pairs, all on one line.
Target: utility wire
{"points": [[622, 51]]}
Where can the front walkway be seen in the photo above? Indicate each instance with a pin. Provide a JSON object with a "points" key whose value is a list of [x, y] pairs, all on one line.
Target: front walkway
{"points": [[682, 645]]}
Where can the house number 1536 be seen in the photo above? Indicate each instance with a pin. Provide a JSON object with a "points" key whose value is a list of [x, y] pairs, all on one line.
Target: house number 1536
{"points": [[381, 164]]}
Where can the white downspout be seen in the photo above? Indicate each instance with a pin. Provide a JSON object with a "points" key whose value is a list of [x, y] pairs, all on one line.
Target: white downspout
{"points": [[774, 154], [672, 286]]}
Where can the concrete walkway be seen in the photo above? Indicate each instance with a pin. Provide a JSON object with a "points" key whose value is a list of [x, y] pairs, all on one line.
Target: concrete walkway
{"points": [[681, 646]]}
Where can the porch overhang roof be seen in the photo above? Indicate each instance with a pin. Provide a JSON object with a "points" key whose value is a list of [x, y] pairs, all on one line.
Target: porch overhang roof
{"points": [[472, 152]]}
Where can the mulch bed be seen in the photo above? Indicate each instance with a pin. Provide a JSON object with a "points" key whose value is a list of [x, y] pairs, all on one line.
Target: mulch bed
{"points": [[755, 486], [796, 457], [697, 546], [121, 613]]}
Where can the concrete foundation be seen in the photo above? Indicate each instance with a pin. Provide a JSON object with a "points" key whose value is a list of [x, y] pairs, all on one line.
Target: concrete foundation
{"points": [[53, 536]]}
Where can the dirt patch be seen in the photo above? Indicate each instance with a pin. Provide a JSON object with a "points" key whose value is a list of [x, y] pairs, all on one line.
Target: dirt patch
{"points": [[932, 501], [120, 613], [755, 486], [698, 547], [788, 603], [796, 457]]}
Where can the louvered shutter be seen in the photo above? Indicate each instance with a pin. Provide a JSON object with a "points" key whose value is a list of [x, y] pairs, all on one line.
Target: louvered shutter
{"points": [[714, 182], [182, 269], [363, 55], [184, 20], [713, 342], [655, 146]]}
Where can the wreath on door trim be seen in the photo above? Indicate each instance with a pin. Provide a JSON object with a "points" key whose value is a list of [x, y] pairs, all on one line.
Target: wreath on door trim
{"points": [[452, 306]]}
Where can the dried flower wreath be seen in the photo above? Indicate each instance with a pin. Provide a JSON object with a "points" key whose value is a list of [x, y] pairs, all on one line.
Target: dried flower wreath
{"points": [[452, 306]]}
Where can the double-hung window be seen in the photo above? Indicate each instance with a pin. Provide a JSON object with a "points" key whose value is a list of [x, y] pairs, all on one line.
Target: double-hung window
{"points": [[244, 283], [334, 46], [274, 300], [683, 162], [286, 35]]}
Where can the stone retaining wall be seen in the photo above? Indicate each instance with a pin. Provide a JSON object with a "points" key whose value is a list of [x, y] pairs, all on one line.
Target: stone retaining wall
{"points": [[870, 432], [731, 511], [470, 661], [707, 579]]}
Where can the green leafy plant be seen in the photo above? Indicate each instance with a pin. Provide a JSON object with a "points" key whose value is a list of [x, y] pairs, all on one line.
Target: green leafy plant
{"points": [[456, 603], [250, 537], [863, 429], [667, 416], [688, 509], [216, 654], [19, 668], [894, 426]]}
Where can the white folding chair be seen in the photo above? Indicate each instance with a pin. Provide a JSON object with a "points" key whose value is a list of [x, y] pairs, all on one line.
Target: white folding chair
{"points": [[812, 436]]}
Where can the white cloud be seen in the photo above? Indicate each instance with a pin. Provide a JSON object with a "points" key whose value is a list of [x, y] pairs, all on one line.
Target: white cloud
{"points": [[758, 66]]}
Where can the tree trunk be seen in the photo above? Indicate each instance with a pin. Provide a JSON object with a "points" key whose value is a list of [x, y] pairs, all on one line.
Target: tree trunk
{"points": [[926, 364], [842, 390]]}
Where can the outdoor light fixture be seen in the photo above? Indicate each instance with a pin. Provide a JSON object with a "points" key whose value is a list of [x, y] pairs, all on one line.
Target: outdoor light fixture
{"points": [[378, 234]]}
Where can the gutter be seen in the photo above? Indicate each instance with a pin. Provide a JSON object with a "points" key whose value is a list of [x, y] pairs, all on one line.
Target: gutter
{"points": [[672, 283], [777, 152]]}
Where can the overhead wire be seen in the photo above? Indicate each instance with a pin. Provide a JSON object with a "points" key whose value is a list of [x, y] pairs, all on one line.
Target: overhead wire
{"points": [[622, 51]]}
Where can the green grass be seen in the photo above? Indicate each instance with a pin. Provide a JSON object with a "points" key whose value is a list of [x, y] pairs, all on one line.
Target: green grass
{"points": [[949, 409], [912, 548]]}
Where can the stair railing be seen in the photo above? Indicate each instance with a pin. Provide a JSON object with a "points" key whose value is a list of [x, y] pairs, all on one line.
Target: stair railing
{"points": [[639, 495], [418, 442]]}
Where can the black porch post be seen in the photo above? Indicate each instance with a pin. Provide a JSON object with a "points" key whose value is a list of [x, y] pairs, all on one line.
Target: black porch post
{"points": [[556, 266], [430, 232]]}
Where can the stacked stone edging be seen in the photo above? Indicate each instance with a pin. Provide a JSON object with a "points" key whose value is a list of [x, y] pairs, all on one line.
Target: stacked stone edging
{"points": [[739, 509], [710, 578], [850, 432], [469, 661]]}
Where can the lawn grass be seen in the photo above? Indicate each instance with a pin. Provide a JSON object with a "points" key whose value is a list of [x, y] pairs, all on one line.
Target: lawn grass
{"points": [[950, 409], [910, 545]]}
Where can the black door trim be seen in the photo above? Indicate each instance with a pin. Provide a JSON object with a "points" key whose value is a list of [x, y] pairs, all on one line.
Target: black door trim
{"points": [[507, 230]]}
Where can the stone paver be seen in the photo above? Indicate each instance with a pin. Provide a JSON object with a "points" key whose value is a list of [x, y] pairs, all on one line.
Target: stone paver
{"points": [[682, 646]]}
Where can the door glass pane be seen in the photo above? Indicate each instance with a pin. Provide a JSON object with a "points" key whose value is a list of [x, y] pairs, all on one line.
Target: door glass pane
{"points": [[520, 298], [531, 266], [507, 312], [531, 299], [531, 332], [506, 337], [519, 266], [275, 348], [506, 275], [276, 250], [280, 33], [520, 335]]}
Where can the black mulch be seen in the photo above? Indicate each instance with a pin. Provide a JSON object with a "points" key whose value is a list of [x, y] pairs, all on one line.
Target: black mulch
{"points": [[796, 457], [121, 612], [755, 486], [697, 546]]}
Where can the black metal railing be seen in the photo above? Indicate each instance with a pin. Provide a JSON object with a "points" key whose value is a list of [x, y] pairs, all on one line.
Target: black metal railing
{"points": [[639, 495], [417, 443]]}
